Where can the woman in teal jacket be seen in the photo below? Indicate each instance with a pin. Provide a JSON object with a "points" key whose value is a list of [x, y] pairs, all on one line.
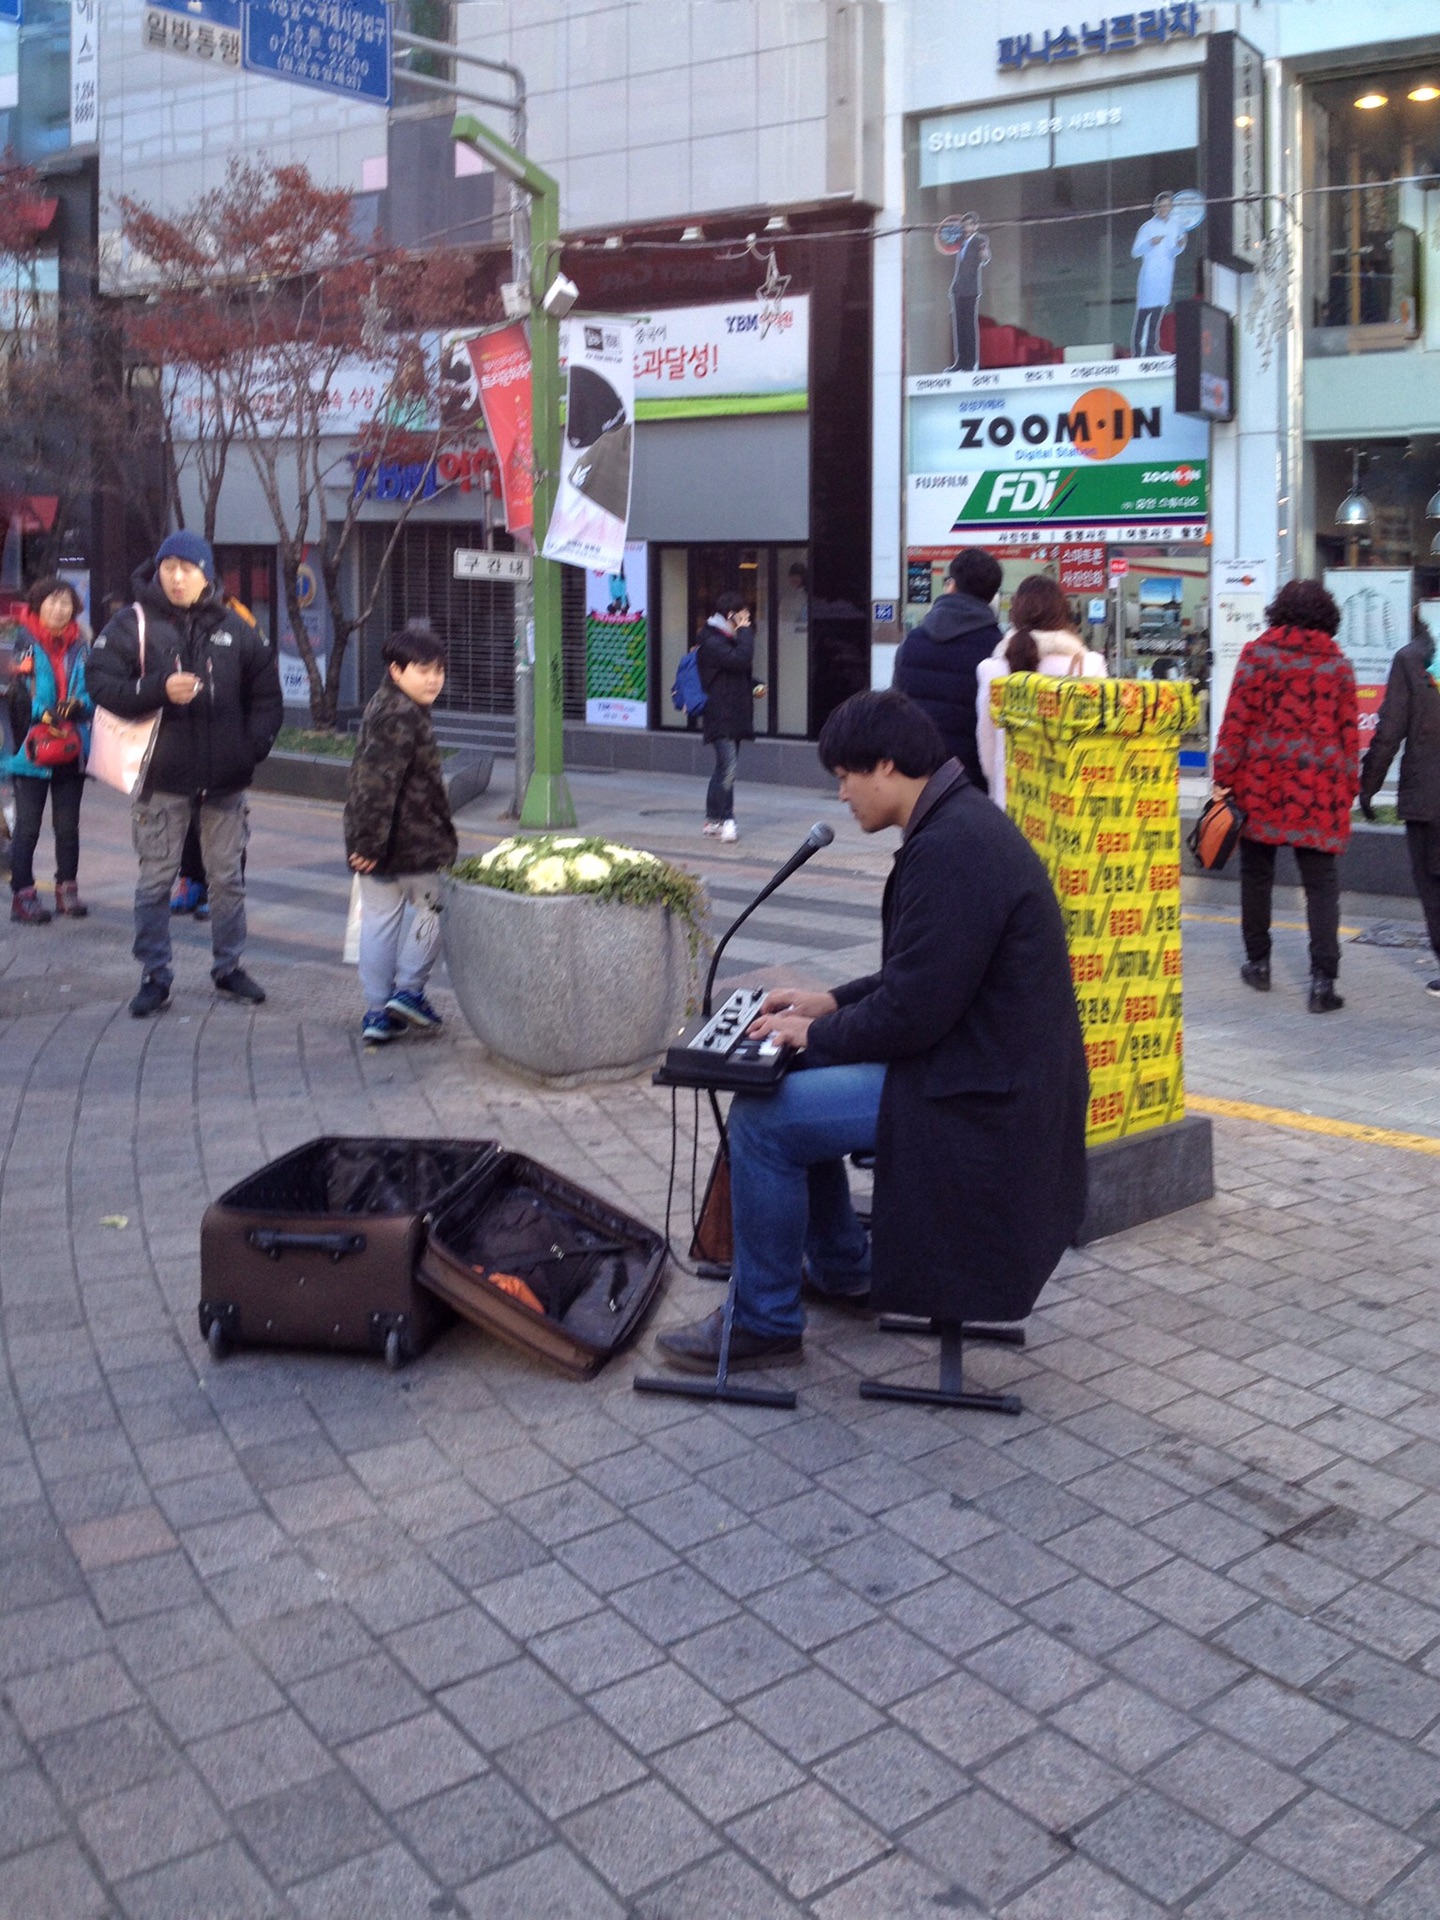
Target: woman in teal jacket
{"points": [[47, 685]]}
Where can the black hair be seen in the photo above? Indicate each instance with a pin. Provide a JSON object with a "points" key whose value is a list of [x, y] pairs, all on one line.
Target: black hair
{"points": [[1305, 604], [976, 572], [416, 644], [52, 583], [873, 726], [1037, 603], [728, 603]]}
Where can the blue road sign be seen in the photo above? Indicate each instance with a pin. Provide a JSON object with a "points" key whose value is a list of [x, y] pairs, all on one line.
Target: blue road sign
{"points": [[340, 46], [12, 10]]}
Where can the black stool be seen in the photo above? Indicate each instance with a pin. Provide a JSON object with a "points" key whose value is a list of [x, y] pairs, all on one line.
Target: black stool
{"points": [[951, 1390]]}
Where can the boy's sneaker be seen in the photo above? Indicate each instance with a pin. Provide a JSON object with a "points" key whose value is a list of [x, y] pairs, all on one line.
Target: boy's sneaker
{"points": [[414, 1010], [729, 830], [380, 1025], [185, 895]]}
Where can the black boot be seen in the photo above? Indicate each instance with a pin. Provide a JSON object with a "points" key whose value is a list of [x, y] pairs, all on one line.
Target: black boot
{"points": [[1323, 997], [1256, 973]]}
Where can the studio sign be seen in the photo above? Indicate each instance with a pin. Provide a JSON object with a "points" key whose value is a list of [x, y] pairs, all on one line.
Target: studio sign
{"points": [[1099, 425]]}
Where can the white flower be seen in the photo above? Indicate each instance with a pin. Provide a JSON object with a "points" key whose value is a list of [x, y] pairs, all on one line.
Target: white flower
{"points": [[547, 876], [589, 867], [515, 853], [572, 841]]}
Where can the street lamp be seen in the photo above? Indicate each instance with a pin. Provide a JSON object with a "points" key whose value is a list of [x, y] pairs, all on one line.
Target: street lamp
{"points": [[547, 797]]}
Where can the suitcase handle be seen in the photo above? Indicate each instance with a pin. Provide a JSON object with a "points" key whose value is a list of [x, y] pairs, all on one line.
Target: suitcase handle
{"points": [[337, 1245]]}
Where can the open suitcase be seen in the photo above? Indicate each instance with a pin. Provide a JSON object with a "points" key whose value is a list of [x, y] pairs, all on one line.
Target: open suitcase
{"points": [[319, 1249], [539, 1262]]}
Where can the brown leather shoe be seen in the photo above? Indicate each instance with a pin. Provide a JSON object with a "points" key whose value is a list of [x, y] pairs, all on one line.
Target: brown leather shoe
{"points": [[696, 1349], [68, 902], [26, 908]]}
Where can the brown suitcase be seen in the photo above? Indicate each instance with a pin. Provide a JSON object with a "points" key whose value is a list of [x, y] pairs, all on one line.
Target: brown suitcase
{"points": [[319, 1249], [536, 1260]]}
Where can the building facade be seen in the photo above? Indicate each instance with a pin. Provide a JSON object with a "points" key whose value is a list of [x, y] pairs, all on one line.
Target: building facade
{"points": [[1069, 202]]}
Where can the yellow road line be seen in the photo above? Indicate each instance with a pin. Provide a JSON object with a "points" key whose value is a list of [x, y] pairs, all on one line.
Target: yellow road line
{"points": [[1313, 1123], [1280, 926]]}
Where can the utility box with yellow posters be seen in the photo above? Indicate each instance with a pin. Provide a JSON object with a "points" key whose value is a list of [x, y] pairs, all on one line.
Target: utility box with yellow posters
{"points": [[1092, 781]]}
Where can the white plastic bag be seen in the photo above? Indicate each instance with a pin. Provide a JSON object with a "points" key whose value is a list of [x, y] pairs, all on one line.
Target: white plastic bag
{"points": [[351, 952]]}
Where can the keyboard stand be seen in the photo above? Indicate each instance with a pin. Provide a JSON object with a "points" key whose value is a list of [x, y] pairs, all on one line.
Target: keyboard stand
{"points": [[951, 1390], [719, 1388]]}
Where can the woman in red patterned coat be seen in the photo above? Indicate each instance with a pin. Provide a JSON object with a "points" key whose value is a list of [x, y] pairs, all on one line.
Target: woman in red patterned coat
{"points": [[1289, 751]]}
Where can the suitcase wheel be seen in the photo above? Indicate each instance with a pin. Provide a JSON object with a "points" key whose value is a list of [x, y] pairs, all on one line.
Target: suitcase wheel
{"points": [[219, 1346], [395, 1355], [219, 1322]]}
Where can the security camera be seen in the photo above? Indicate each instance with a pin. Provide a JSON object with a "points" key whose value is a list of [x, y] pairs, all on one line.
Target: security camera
{"points": [[560, 297], [515, 299]]}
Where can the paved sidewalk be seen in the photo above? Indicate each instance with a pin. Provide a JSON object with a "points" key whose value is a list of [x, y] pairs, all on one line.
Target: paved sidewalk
{"points": [[295, 1636]]}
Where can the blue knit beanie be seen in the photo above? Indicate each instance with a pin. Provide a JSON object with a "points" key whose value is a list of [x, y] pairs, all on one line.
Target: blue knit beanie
{"points": [[193, 547]]}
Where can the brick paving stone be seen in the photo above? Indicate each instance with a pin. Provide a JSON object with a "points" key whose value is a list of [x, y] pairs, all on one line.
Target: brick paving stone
{"points": [[640, 1835], [219, 1883], [472, 1829], [1341, 1847], [146, 1825], [1167, 1853], [807, 1840], [1276, 1721], [411, 1761], [728, 1770], [374, 1887], [53, 1883], [1079, 1887], [1053, 1780], [1259, 1889], [305, 1829], [985, 1849], [565, 1767], [548, 1886], [506, 1703]]}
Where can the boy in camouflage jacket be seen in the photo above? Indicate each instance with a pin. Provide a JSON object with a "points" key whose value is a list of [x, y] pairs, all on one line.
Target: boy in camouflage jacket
{"points": [[399, 836]]}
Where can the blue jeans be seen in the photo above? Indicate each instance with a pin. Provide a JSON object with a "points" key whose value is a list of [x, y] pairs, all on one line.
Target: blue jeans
{"points": [[158, 827], [790, 1196], [720, 794]]}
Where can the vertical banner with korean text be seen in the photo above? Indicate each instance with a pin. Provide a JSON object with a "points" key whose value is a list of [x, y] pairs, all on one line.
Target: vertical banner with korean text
{"points": [[1240, 591], [617, 656], [502, 369], [592, 501], [84, 72]]}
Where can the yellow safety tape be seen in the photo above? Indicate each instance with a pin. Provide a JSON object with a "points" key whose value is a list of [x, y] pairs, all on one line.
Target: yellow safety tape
{"points": [[1314, 1123]]}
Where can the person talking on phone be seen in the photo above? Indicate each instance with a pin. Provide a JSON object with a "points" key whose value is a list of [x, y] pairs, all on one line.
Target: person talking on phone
{"points": [[726, 649], [214, 678]]}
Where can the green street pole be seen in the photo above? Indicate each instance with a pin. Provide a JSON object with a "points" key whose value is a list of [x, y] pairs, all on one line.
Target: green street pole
{"points": [[547, 798]]}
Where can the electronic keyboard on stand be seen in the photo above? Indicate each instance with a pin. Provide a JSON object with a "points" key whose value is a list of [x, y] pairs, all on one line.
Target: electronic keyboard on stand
{"points": [[720, 1051]]}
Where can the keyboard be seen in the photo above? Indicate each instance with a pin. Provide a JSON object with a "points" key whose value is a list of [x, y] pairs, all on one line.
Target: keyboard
{"points": [[719, 1052]]}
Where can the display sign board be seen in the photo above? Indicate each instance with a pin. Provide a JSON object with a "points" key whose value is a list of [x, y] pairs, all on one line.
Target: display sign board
{"points": [[12, 11], [1234, 151], [1161, 115], [84, 72], [1204, 361], [204, 30], [617, 642], [1119, 33], [1063, 452], [1240, 591], [727, 358], [339, 46], [592, 493], [1374, 623], [479, 563]]}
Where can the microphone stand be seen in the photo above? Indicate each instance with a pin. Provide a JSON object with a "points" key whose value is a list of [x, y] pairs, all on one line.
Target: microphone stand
{"points": [[720, 1388]]}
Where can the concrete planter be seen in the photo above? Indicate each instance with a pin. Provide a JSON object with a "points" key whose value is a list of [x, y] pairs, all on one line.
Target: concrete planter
{"points": [[566, 988], [323, 776]]}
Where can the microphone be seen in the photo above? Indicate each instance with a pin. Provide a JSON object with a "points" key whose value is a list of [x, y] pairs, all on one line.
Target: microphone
{"points": [[820, 835]]}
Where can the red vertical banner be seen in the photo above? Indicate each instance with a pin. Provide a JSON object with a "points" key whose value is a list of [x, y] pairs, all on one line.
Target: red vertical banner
{"points": [[502, 367]]}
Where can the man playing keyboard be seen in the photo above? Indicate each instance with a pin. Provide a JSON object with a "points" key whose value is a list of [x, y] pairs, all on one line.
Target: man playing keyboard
{"points": [[959, 1064]]}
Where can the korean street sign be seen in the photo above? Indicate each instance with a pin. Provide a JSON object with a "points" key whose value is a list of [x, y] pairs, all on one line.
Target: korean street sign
{"points": [[204, 30], [478, 563], [339, 46]]}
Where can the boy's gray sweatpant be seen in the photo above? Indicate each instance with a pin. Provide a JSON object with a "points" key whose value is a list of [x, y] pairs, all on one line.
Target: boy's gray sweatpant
{"points": [[395, 958]]}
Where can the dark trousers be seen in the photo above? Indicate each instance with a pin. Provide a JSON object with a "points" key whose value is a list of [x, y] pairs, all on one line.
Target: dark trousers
{"points": [[192, 861], [965, 331], [720, 794], [1427, 884], [1320, 877], [65, 787]]}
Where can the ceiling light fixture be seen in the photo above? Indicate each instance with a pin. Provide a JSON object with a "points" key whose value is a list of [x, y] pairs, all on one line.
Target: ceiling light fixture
{"points": [[1354, 514], [1432, 506], [777, 223], [1369, 101], [1424, 94], [693, 233]]}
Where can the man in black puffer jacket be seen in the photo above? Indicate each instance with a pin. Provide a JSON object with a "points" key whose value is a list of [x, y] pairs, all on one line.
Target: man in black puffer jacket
{"points": [[212, 674], [938, 660]]}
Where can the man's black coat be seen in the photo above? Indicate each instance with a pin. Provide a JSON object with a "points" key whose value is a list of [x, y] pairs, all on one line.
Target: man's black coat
{"points": [[1410, 716], [936, 665], [214, 744], [726, 662], [980, 1160]]}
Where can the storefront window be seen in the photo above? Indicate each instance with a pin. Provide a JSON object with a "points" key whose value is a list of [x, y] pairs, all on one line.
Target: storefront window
{"points": [[1063, 228], [775, 582], [1400, 479], [1372, 142]]}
